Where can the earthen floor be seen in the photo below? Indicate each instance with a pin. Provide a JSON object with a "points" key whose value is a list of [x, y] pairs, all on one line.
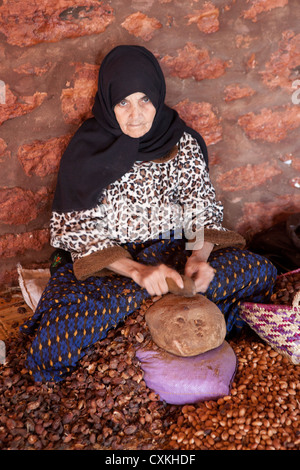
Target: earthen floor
{"points": [[105, 403]]}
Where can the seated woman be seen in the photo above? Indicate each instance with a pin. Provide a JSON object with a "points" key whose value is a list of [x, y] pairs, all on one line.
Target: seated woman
{"points": [[134, 205]]}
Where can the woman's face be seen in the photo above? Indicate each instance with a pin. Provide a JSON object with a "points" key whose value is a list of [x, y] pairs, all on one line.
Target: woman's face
{"points": [[135, 114]]}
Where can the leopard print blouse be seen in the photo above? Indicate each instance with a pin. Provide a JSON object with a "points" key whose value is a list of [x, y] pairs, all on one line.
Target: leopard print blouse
{"points": [[152, 198]]}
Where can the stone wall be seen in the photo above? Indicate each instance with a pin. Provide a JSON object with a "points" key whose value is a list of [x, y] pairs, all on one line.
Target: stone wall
{"points": [[232, 71]]}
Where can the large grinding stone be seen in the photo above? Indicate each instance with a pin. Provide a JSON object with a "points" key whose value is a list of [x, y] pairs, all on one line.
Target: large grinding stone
{"points": [[186, 326]]}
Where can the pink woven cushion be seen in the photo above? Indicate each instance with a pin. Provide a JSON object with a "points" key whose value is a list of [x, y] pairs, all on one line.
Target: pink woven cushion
{"points": [[182, 380], [277, 325]]}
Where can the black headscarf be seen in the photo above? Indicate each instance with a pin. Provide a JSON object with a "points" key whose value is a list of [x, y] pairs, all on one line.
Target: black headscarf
{"points": [[99, 153]]}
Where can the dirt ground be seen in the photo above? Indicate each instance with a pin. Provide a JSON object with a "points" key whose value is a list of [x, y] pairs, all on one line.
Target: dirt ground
{"points": [[105, 403]]}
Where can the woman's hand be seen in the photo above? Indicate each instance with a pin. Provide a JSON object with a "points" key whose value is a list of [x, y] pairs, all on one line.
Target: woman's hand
{"points": [[200, 271], [153, 278]]}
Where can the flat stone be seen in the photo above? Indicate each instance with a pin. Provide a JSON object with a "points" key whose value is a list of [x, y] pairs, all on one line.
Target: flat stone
{"points": [[186, 326]]}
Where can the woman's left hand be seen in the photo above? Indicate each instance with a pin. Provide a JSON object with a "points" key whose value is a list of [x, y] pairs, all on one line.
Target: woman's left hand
{"points": [[201, 272]]}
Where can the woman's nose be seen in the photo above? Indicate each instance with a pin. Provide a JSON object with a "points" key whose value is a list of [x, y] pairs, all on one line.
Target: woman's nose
{"points": [[135, 111]]}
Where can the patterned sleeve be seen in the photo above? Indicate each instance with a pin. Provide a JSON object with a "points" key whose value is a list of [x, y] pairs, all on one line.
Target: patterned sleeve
{"points": [[203, 212], [86, 236]]}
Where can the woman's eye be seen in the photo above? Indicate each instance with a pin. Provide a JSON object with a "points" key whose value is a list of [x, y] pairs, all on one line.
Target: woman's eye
{"points": [[146, 99], [123, 103]]}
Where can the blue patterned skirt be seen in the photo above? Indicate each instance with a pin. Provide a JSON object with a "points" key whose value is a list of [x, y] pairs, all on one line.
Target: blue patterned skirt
{"points": [[72, 315]]}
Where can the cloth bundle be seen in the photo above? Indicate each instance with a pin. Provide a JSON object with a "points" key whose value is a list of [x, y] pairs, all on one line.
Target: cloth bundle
{"points": [[32, 283], [185, 380]]}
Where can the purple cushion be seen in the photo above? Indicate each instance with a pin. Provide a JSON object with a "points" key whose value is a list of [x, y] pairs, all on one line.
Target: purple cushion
{"points": [[181, 380]]}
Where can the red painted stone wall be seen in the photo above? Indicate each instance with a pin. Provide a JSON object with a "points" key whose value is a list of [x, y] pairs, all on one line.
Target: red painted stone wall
{"points": [[232, 70]]}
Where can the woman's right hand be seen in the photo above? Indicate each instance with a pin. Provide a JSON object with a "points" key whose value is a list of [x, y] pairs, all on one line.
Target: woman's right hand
{"points": [[153, 278]]}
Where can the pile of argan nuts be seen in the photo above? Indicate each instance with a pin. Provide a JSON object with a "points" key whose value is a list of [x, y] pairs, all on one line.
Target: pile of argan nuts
{"points": [[105, 403], [285, 289]]}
